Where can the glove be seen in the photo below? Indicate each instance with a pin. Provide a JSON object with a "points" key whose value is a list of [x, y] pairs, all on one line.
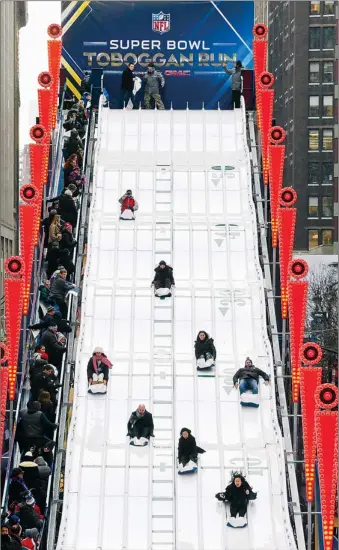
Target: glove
{"points": [[220, 497]]}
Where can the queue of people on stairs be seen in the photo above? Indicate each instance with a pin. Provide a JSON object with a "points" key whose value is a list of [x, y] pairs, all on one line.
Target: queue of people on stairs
{"points": [[22, 522]]}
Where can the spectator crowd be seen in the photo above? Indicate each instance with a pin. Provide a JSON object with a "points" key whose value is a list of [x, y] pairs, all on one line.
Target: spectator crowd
{"points": [[27, 493]]}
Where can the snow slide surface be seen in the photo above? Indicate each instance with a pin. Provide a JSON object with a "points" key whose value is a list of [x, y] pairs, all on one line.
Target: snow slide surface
{"points": [[190, 172]]}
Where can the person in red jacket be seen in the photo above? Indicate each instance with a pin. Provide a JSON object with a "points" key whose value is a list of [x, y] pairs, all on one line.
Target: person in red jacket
{"points": [[128, 202]]}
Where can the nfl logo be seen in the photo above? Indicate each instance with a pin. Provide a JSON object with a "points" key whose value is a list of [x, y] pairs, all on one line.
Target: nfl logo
{"points": [[161, 22]]}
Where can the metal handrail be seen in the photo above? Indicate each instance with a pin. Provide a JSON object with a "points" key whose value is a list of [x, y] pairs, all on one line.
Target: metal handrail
{"points": [[65, 358], [52, 186]]}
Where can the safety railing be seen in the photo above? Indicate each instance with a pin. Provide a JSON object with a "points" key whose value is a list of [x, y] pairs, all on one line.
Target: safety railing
{"points": [[67, 358], [54, 500], [51, 190]]}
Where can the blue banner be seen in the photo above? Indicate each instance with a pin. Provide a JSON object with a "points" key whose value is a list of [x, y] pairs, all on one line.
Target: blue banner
{"points": [[187, 41]]}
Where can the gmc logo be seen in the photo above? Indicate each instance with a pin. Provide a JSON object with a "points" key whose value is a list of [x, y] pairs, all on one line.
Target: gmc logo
{"points": [[177, 73]]}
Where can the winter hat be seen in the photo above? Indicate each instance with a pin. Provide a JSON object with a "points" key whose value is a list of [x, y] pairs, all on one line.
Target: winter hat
{"points": [[68, 192], [162, 262], [29, 456], [16, 472], [185, 430], [32, 533], [40, 461], [50, 308], [68, 225], [14, 519], [72, 187], [30, 500], [98, 350], [128, 192]]}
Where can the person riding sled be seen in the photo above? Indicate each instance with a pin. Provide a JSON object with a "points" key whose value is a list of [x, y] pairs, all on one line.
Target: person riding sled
{"points": [[163, 277], [187, 448], [140, 425], [128, 202], [238, 493], [205, 352], [98, 371]]}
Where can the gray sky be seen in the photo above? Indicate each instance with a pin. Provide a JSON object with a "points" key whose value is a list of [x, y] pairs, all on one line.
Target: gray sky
{"points": [[33, 59]]}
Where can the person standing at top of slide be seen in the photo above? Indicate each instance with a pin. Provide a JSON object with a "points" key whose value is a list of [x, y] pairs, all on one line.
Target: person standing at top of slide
{"points": [[127, 87], [152, 79], [236, 82]]}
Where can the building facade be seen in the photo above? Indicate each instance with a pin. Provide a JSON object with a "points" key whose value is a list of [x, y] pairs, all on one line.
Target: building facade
{"points": [[303, 47], [12, 18]]}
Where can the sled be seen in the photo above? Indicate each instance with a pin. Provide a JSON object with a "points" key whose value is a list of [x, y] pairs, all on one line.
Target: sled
{"points": [[248, 399], [141, 442], [190, 468], [97, 388], [237, 523], [163, 293], [206, 368], [127, 215]]}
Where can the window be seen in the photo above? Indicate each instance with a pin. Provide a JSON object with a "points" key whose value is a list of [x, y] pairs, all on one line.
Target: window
{"points": [[329, 8], [313, 238], [328, 71], [314, 72], [327, 173], [329, 38], [313, 106], [328, 106], [314, 8], [313, 207], [313, 140], [327, 140], [327, 235], [327, 207], [314, 38], [313, 173]]}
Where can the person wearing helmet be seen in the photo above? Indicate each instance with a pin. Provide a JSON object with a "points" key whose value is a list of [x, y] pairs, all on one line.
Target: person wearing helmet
{"points": [[163, 277], [128, 202]]}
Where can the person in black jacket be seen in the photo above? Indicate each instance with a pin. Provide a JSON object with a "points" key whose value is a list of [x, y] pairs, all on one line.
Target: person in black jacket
{"points": [[205, 351], [33, 426], [8, 542], [67, 240], [17, 487], [54, 349], [52, 258], [127, 86], [98, 367], [187, 448], [31, 473], [29, 518], [45, 381], [140, 424], [67, 208], [52, 318], [163, 277], [237, 493], [249, 377]]}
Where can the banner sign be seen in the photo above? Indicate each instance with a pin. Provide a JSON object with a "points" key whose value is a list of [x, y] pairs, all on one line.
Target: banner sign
{"points": [[187, 41]]}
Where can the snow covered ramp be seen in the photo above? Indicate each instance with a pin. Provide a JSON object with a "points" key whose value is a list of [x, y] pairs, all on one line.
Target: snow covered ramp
{"points": [[190, 172]]}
